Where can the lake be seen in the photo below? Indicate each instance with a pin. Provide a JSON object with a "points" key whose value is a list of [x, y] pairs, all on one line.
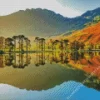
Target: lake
{"points": [[50, 76]]}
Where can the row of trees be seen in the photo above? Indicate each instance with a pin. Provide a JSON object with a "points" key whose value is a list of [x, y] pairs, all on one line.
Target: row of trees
{"points": [[65, 44], [40, 43], [75, 45], [21, 41], [62, 44]]}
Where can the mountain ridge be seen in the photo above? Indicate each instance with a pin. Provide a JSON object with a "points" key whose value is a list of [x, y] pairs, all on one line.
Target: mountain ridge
{"points": [[43, 22]]}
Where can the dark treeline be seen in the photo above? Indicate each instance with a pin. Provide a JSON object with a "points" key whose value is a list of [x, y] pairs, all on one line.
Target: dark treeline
{"points": [[23, 44], [18, 43]]}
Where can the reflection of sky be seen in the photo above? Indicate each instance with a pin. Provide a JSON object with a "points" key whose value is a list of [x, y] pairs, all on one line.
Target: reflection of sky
{"points": [[60, 92]]}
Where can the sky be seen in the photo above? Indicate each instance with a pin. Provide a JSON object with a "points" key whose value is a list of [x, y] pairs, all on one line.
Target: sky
{"points": [[67, 8]]}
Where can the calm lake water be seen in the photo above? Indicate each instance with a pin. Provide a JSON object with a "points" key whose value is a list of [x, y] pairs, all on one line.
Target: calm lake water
{"points": [[50, 76]]}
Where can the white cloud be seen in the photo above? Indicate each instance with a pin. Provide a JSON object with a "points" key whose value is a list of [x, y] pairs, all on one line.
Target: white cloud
{"points": [[9, 6]]}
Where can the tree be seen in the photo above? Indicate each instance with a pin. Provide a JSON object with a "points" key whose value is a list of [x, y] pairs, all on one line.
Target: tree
{"points": [[14, 39], [55, 43], [75, 45], [82, 45], [66, 43], [37, 42], [9, 44], [28, 45], [21, 39], [42, 43]]}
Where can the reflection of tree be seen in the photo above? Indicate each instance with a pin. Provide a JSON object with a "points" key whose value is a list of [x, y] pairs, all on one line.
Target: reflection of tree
{"points": [[51, 57], [37, 60], [17, 60], [58, 57], [76, 56], [66, 60], [28, 58], [55, 58], [91, 54], [23, 61], [40, 59], [63, 57], [9, 59], [2, 61]]}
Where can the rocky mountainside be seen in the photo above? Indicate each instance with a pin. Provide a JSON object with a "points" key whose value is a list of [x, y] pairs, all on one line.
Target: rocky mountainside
{"points": [[43, 22]]}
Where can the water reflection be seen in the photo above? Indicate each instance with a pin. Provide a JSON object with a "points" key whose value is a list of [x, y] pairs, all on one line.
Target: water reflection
{"points": [[44, 70], [19, 60], [16, 60], [39, 59], [60, 92]]}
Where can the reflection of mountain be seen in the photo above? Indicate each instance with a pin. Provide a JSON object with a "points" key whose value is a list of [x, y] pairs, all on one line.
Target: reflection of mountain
{"points": [[89, 63], [48, 75], [56, 68], [38, 22], [61, 92], [40, 78]]}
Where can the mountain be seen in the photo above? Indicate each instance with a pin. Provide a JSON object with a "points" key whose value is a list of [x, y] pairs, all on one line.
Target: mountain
{"points": [[43, 22], [88, 35], [86, 19], [31, 22]]}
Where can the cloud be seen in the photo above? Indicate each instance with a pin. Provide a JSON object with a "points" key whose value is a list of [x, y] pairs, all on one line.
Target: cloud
{"points": [[80, 5], [9, 6]]}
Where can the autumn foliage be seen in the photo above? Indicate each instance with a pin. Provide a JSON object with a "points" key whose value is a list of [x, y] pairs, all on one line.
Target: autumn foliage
{"points": [[89, 35]]}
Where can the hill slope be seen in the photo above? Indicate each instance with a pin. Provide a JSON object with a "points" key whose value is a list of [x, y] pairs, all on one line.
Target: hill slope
{"points": [[42, 22], [89, 35]]}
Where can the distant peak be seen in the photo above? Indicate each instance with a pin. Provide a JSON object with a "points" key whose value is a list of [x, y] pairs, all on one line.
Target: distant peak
{"points": [[92, 12]]}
